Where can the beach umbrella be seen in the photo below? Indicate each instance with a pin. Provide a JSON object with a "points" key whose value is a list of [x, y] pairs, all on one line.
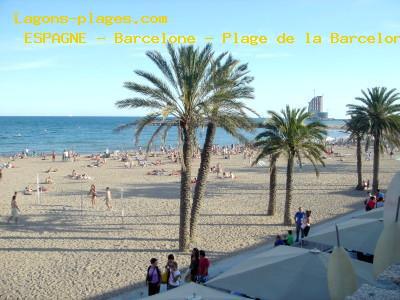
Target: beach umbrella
{"points": [[193, 291], [391, 197], [355, 234], [387, 250], [342, 278], [285, 273]]}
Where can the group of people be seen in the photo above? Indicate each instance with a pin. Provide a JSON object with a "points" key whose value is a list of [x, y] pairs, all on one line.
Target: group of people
{"points": [[303, 223], [302, 220], [93, 196], [374, 200], [172, 277]]}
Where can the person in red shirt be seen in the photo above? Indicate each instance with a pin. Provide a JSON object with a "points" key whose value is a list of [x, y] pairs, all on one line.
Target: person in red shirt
{"points": [[371, 203], [204, 264]]}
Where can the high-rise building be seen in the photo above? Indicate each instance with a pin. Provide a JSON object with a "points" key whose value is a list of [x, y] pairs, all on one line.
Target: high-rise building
{"points": [[315, 107]]}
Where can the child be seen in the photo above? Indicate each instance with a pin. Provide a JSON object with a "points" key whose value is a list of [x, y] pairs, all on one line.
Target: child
{"points": [[174, 276], [153, 277], [108, 198], [289, 238], [278, 241], [204, 264]]}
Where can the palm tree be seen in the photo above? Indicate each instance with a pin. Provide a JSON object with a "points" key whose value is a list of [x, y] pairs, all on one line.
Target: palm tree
{"points": [[382, 113], [271, 144], [357, 126], [225, 110], [287, 133], [176, 99]]}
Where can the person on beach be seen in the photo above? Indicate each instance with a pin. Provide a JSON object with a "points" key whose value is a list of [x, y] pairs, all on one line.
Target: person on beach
{"points": [[298, 218], [204, 264], [14, 209], [371, 203], [168, 266], [278, 241], [153, 277], [28, 190], [380, 202], [53, 156], [93, 194], [289, 238], [379, 194], [194, 264], [307, 223], [1, 174], [108, 198], [174, 276]]}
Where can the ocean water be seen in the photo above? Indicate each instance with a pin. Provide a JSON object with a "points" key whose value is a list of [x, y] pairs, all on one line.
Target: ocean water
{"points": [[91, 134]]}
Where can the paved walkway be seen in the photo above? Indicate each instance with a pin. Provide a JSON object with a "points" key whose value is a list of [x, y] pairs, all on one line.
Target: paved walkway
{"points": [[226, 263]]}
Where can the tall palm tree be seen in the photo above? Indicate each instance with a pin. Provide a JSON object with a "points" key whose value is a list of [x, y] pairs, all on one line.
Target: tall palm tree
{"points": [[271, 144], [357, 126], [225, 110], [177, 99], [382, 112], [288, 133]]}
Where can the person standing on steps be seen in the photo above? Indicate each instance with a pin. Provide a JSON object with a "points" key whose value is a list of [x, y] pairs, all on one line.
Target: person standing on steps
{"points": [[153, 277], [298, 218], [307, 223]]}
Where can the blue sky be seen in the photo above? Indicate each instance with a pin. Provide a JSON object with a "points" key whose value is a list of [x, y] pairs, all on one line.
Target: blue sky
{"points": [[87, 80]]}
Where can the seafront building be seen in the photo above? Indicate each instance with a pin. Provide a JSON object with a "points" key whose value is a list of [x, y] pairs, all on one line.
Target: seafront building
{"points": [[315, 107]]}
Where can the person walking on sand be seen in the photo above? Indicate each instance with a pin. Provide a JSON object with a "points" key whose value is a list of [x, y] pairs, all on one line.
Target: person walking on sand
{"points": [[14, 209], [153, 277], [108, 198], [298, 218], [93, 195]]}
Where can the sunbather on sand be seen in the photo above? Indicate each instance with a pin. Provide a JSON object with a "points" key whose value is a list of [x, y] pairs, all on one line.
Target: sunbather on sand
{"points": [[28, 190], [49, 180]]}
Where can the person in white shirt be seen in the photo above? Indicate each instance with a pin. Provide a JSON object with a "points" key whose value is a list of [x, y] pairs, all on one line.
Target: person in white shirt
{"points": [[108, 198], [174, 276]]}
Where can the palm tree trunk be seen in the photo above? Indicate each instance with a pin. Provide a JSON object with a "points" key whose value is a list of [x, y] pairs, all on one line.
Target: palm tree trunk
{"points": [[359, 165], [375, 179], [201, 183], [272, 186], [287, 219], [186, 163]]}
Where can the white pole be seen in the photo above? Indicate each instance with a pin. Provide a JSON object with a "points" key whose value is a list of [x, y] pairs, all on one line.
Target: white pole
{"points": [[37, 188], [81, 198], [123, 206]]}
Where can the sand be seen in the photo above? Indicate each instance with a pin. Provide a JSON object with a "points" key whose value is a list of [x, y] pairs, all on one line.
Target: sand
{"points": [[60, 250]]}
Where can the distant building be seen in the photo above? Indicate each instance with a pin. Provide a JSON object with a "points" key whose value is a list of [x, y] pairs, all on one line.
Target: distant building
{"points": [[315, 107]]}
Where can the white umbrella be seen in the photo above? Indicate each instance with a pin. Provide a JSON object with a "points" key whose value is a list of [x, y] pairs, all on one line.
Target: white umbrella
{"points": [[285, 273], [193, 291], [356, 234], [342, 278], [387, 250]]}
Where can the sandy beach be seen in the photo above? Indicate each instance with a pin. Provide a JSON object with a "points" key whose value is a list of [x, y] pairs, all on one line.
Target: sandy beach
{"points": [[62, 249]]}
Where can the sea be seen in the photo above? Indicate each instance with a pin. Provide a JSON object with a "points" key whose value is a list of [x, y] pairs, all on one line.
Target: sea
{"points": [[96, 134]]}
